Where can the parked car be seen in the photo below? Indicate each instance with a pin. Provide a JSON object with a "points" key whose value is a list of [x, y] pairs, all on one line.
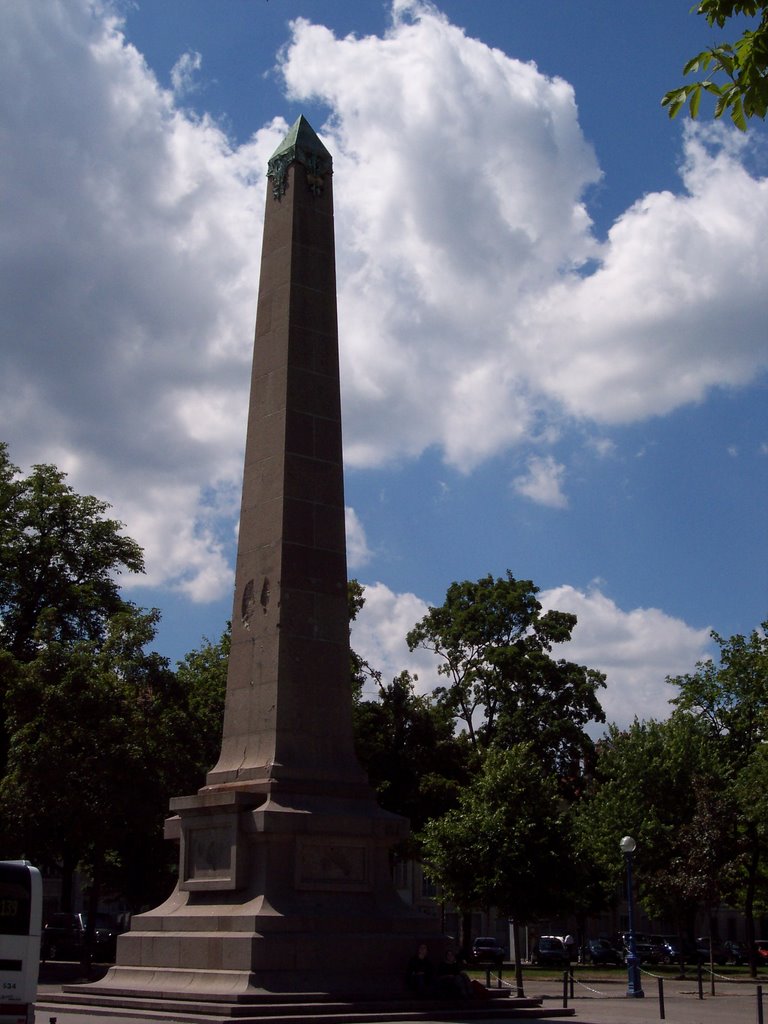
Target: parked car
{"points": [[647, 952], [601, 952], [487, 950], [550, 951], [735, 952], [671, 949], [675, 950], [761, 950], [718, 955], [64, 938]]}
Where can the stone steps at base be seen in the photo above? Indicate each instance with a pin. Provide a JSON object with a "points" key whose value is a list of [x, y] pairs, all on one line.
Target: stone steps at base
{"points": [[278, 1002], [323, 1012]]}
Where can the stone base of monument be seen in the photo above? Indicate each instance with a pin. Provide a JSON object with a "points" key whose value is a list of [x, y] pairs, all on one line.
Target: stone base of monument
{"points": [[290, 1008], [285, 911], [284, 893]]}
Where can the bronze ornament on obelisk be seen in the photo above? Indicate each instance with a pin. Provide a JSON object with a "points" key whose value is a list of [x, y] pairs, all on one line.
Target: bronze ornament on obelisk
{"points": [[285, 880]]}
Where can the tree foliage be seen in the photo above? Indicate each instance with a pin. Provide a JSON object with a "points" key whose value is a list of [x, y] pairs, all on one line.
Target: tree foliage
{"points": [[99, 732], [664, 784], [100, 738], [202, 676], [407, 745], [742, 65], [732, 696], [59, 557], [504, 845], [503, 684], [729, 700]]}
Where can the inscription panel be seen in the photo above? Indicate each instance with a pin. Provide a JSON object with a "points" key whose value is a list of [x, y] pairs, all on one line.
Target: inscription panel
{"points": [[329, 866], [210, 854]]}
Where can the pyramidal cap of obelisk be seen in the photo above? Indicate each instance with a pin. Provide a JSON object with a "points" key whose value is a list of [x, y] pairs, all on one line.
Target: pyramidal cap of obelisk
{"points": [[284, 877]]}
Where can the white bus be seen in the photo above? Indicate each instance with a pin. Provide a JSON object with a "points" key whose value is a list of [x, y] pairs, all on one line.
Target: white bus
{"points": [[21, 912]]}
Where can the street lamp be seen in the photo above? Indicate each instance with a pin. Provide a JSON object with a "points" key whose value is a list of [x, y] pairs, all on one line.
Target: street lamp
{"points": [[634, 986]]}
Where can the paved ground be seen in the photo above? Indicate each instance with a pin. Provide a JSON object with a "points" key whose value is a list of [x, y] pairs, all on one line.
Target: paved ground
{"points": [[595, 1002], [605, 1003]]}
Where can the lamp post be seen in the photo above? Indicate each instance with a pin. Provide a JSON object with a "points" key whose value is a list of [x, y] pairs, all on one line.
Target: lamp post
{"points": [[634, 986]]}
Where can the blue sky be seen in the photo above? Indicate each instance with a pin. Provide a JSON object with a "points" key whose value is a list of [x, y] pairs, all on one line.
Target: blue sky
{"points": [[552, 303]]}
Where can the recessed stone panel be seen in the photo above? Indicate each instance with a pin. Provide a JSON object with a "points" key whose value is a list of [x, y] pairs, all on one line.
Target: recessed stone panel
{"points": [[332, 866], [210, 852]]}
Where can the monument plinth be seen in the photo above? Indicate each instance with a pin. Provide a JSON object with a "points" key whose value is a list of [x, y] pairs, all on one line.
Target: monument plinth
{"points": [[285, 879]]}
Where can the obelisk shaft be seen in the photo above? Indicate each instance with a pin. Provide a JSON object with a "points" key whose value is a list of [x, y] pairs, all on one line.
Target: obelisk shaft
{"points": [[288, 706]]}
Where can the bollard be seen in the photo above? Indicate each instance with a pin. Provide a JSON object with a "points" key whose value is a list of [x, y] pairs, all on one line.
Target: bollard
{"points": [[661, 999], [700, 981], [565, 990], [759, 1004]]}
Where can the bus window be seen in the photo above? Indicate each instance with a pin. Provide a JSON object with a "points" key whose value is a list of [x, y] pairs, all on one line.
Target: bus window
{"points": [[21, 911]]}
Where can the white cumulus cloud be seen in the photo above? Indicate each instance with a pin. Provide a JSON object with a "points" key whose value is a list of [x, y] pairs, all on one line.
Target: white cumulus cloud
{"points": [[542, 482], [129, 257], [378, 635], [358, 552], [183, 73], [462, 176], [636, 650]]}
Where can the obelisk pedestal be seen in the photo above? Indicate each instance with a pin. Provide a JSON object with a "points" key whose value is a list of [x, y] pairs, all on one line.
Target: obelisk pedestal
{"points": [[285, 877]]}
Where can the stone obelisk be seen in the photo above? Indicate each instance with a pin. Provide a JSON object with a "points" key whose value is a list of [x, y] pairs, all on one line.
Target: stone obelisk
{"points": [[284, 880]]}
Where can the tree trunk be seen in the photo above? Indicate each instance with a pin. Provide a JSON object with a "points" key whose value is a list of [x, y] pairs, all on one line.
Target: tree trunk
{"points": [[89, 944], [67, 876], [465, 932], [749, 899], [518, 959]]}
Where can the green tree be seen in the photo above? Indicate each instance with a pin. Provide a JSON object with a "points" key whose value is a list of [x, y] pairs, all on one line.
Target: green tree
{"points": [[503, 683], [97, 732], [730, 700], [59, 555], [506, 844], [664, 784], [407, 745], [742, 66], [100, 738], [202, 675]]}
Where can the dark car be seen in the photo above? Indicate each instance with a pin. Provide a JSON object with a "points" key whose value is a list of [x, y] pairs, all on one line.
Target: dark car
{"points": [[601, 952], [671, 950], [718, 953], [550, 951], [487, 950], [735, 952], [64, 938], [675, 950], [647, 952]]}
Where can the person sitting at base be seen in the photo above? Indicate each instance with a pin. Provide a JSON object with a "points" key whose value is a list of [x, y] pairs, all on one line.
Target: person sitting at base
{"points": [[420, 977], [451, 980]]}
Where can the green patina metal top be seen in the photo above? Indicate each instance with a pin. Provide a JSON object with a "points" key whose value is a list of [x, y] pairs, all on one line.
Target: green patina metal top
{"points": [[300, 145]]}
